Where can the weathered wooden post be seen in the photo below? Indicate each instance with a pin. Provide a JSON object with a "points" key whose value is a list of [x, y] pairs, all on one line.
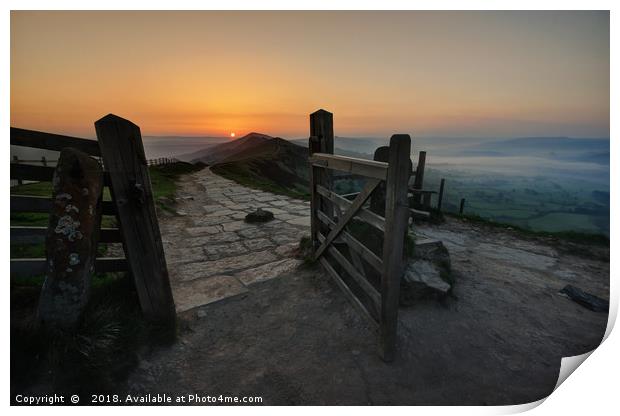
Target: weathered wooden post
{"points": [[123, 153], [419, 177], [462, 208], [377, 199], [71, 241], [16, 160], [440, 196], [321, 141], [396, 218]]}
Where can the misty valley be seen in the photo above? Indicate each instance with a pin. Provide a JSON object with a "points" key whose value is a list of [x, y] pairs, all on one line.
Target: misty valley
{"points": [[539, 184]]}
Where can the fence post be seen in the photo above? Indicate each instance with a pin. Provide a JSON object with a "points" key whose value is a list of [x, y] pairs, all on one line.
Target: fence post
{"points": [[440, 196], [123, 152], [396, 218], [19, 180], [71, 241], [321, 141], [462, 208], [418, 183], [315, 199]]}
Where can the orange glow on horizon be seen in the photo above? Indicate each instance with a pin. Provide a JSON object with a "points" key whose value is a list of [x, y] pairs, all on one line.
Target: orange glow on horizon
{"points": [[452, 74]]}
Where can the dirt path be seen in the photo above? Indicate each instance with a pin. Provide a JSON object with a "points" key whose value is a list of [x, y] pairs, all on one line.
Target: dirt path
{"points": [[296, 340], [212, 253]]}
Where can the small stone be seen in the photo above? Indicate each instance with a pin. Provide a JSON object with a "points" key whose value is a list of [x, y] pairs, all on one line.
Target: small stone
{"points": [[260, 215]]}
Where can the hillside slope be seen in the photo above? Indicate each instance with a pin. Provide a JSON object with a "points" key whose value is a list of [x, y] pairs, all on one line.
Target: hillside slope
{"points": [[221, 151], [261, 161]]}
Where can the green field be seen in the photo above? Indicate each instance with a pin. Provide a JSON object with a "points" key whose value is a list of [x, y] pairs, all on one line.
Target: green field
{"points": [[103, 348], [534, 203], [163, 180]]}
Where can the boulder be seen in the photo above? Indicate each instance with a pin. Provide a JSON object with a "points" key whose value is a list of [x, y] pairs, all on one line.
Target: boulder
{"points": [[260, 215], [427, 272]]}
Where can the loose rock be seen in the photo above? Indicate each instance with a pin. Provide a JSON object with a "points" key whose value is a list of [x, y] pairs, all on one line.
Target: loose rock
{"points": [[427, 273], [594, 303], [260, 215]]}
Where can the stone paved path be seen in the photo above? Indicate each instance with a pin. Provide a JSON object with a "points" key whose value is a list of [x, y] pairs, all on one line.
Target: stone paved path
{"points": [[212, 253]]}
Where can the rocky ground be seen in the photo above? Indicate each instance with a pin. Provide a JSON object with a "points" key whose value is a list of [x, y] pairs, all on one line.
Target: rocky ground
{"points": [[255, 324]]}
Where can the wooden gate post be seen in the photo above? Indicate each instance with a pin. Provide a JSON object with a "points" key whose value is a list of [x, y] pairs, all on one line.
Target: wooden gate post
{"points": [[377, 200], [121, 146], [396, 218], [321, 141]]}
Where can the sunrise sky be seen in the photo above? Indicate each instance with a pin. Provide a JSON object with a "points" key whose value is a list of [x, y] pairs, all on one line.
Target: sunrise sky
{"points": [[475, 74]]}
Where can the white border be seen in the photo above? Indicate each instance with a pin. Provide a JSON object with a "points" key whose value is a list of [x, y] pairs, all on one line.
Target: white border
{"points": [[593, 387]]}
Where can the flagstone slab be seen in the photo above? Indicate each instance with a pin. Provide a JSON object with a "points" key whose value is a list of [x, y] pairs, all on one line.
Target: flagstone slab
{"points": [[267, 271], [258, 244], [218, 251], [303, 221], [201, 292], [208, 268], [197, 231]]}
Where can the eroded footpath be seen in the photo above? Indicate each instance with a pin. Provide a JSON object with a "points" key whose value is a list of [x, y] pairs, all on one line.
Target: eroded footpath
{"points": [[499, 339]]}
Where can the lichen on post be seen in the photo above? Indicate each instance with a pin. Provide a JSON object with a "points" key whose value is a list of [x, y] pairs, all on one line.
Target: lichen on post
{"points": [[71, 240]]}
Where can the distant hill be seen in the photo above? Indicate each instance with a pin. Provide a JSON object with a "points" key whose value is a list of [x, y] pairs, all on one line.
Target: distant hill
{"points": [[177, 146], [360, 145], [259, 159], [220, 152], [557, 148]]}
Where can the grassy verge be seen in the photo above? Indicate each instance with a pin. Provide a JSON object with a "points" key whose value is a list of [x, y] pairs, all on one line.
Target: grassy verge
{"points": [[95, 357], [164, 177], [104, 347], [247, 178]]}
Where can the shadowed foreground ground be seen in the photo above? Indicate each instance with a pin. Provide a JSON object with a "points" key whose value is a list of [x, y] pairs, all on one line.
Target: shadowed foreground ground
{"points": [[295, 339]]}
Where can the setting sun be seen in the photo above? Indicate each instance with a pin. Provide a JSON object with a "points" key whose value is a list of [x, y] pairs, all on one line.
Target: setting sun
{"points": [[232, 134]]}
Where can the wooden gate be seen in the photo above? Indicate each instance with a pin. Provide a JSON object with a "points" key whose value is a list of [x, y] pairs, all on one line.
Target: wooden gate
{"points": [[120, 148], [332, 215]]}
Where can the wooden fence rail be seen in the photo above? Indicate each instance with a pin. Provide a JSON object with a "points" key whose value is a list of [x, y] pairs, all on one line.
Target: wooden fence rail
{"points": [[119, 147], [342, 255], [44, 161]]}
